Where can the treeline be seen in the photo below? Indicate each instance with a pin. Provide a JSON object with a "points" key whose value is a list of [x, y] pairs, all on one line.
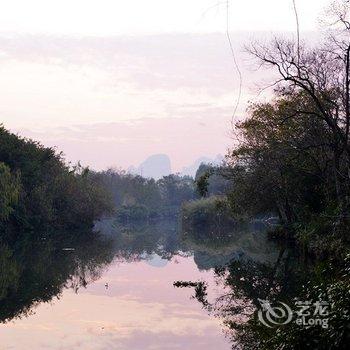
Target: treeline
{"points": [[138, 199], [39, 191]]}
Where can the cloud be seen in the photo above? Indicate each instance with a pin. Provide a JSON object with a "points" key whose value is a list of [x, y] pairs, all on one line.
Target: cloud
{"points": [[128, 143], [150, 62], [116, 100]]}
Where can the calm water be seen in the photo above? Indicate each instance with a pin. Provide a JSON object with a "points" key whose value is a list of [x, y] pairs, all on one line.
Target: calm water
{"points": [[115, 291]]}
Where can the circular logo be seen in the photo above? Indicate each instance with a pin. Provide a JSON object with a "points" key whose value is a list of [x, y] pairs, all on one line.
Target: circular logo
{"points": [[272, 316]]}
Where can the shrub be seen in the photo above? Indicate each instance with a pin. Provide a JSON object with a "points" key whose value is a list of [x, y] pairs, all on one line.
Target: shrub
{"points": [[206, 215]]}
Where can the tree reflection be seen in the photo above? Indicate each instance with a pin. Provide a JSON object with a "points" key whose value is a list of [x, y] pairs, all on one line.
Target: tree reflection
{"points": [[242, 283], [35, 270], [247, 266]]}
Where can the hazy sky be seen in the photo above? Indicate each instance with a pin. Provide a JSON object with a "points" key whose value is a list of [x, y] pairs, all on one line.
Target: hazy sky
{"points": [[73, 71], [114, 17]]}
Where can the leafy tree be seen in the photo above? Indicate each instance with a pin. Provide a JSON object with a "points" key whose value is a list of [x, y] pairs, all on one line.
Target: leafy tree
{"points": [[279, 164], [175, 189]]}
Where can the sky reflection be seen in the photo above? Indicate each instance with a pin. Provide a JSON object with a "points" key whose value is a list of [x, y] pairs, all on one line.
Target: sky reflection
{"points": [[140, 309]]}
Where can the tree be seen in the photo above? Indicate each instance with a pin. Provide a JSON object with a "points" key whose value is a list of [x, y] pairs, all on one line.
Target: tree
{"points": [[211, 180], [175, 189], [322, 76], [280, 164]]}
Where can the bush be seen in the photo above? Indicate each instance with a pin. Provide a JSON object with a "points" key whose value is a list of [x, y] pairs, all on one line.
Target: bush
{"points": [[206, 215]]}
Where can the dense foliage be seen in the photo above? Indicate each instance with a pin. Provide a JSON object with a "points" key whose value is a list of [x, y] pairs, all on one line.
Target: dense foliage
{"points": [[9, 191], [138, 199], [38, 190], [206, 215]]}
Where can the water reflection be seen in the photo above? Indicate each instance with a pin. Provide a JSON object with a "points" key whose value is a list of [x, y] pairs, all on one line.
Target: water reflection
{"points": [[113, 288], [245, 241], [244, 283], [167, 239], [37, 268]]}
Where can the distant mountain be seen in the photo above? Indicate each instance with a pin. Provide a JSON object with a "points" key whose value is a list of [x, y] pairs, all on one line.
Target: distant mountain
{"points": [[191, 169], [158, 165], [155, 166]]}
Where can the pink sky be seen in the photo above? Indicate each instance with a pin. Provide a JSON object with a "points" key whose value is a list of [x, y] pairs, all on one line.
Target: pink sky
{"points": [[130, 142], [114, 101], [118, 82]]}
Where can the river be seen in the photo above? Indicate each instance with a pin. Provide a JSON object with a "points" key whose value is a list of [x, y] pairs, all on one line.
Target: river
{"points": [[114, 288]]}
